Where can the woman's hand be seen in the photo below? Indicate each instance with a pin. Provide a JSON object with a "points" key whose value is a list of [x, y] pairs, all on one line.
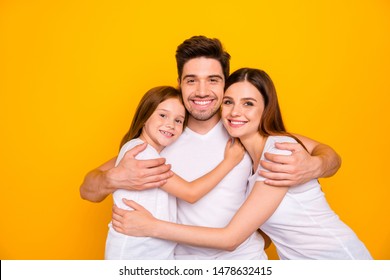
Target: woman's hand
{"points": [[134, 223], [234, 151]]}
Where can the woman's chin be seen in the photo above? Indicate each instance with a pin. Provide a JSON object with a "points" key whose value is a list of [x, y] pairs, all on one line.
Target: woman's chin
{"points": [[234, 134]]}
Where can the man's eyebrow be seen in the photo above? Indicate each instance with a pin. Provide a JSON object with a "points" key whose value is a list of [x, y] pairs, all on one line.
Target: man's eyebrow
{"points": [[210, 76], [189, 76], [216, 76]]}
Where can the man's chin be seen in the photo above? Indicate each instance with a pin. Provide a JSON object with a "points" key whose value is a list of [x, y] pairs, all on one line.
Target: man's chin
{"points": [[203, 116]]}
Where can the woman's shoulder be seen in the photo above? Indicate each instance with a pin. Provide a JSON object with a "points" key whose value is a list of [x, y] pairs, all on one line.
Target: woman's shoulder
{"points": [[270, 144], [281, 138]]}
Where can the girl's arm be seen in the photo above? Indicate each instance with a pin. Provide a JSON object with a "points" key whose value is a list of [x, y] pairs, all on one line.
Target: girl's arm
{"points": [[193, 191], [259, 206]]}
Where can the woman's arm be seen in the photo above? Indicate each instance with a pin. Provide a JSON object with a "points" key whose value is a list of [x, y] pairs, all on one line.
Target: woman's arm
{"points": [[193, 191], [259, 206]]}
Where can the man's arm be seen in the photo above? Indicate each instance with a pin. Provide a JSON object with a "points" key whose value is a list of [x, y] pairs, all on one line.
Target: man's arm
{"points": [[95, 186], [318, 161], [329, 160], [130, 174]]}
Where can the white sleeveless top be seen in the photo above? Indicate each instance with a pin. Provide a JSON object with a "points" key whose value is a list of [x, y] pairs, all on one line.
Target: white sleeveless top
{"points": [[304, 226]]}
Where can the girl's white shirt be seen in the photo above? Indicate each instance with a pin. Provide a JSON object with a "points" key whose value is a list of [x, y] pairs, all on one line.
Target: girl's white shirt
{"points": [[161, 204]]}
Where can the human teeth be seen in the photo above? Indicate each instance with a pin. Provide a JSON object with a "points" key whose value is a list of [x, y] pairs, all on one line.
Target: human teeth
{"points": [[203, 102], [237, 122], [166, 133]]}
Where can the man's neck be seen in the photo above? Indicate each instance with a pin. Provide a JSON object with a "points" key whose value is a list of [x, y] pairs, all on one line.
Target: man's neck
{"points": [[202, 127]]}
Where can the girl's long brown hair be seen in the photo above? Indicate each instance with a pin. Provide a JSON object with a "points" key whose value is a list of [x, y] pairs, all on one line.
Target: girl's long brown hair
{"points": [[147, 106]]}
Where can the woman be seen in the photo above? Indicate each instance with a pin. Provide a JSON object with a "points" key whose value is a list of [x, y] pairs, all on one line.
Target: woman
{"points": [[298, 219]]}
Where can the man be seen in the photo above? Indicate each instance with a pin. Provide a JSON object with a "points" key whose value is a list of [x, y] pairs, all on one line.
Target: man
{"points": [[203, 66]]}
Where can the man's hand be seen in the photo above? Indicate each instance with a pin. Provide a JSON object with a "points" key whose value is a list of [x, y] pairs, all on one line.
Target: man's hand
{"points": [[134, 223], [133, 174], [130, 174], [290, 170]]}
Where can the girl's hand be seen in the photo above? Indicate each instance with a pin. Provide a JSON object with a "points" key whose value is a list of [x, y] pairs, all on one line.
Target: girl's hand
{"points": [[234, 151], [134, 223]]}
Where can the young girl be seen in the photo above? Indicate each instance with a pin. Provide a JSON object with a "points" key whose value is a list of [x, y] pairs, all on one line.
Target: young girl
{"points": [[297, 219], [159, 121]]}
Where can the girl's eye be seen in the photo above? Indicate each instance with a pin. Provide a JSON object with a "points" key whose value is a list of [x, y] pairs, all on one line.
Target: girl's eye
{"points": [[248, 103], [163, 115], [179, 121]]}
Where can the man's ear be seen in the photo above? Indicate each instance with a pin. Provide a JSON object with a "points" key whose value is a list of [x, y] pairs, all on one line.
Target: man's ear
{"points": [[178, 82]]}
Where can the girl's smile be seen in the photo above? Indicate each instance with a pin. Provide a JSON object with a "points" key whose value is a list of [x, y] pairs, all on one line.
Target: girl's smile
{"points": [[165, 125]]}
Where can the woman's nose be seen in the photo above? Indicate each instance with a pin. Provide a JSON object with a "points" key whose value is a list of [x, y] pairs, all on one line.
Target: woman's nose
{"points": [[236, 111]]}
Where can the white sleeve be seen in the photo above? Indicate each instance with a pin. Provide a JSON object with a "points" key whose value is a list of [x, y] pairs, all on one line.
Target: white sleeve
{"points": [[148, 153], [270, 148]]}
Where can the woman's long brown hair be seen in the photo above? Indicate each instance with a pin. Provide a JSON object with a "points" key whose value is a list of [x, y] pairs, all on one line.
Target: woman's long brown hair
{"points": [[271, 122]]}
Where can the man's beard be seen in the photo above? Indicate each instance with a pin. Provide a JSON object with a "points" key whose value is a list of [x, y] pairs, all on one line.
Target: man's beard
{"points": [[204, 116]]}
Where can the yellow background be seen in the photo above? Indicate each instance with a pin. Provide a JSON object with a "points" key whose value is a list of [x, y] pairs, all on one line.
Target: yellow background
{"points": [[72, 73]]}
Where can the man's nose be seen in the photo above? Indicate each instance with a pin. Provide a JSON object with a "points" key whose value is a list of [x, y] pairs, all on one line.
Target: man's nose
{"points": [[202, 89]]}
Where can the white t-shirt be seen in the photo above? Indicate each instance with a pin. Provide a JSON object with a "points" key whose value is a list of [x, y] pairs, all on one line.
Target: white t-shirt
{"points": [[161, 204], [304, 226], [194, 155]]}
